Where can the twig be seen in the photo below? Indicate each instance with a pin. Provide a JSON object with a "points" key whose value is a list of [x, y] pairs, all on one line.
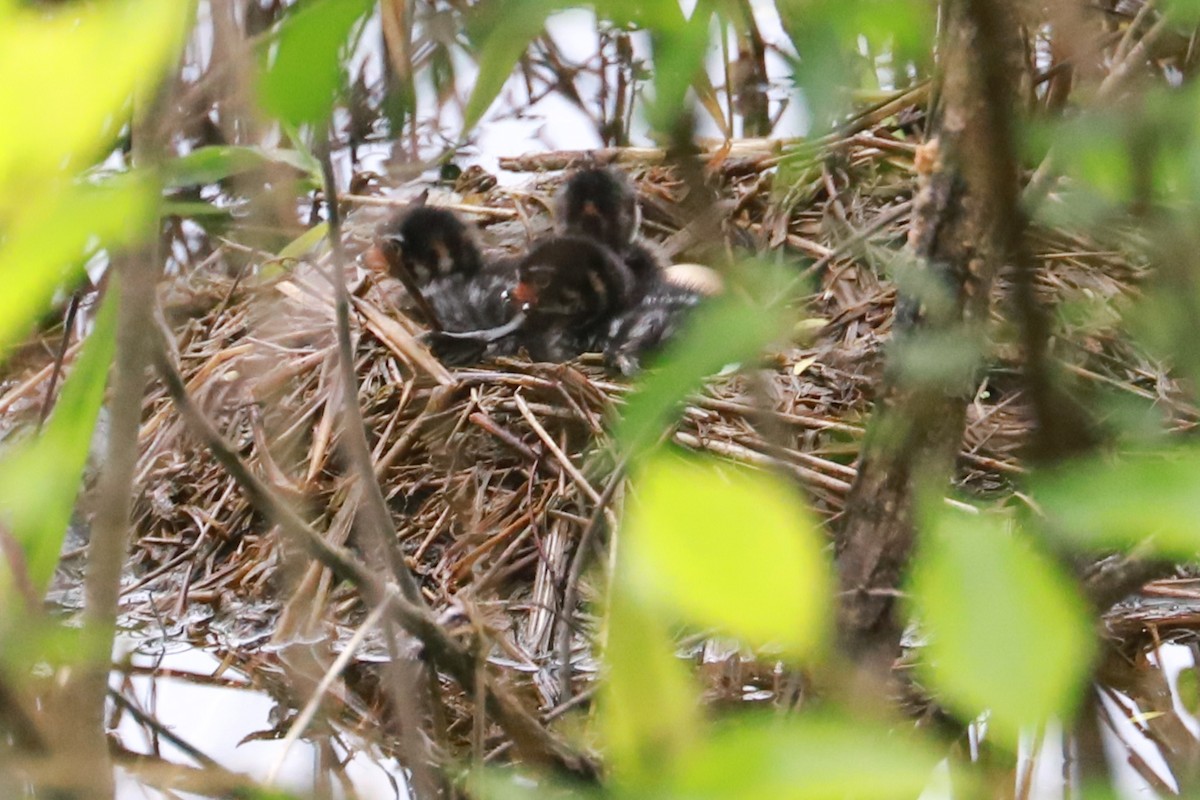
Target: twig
{"points": [[562, 632], [555, 450], [68, 325], [300, 724], [489, 212], [374, 507]]}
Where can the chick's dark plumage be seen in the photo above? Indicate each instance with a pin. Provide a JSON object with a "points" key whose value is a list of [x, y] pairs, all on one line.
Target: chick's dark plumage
{"points": [[429, 243], [600, 203], [571, 288], [643, 329], [472, 304], [434, 254]]}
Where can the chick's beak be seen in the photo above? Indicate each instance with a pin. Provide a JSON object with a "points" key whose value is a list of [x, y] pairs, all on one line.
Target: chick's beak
{"points": [[525, 294], [375, 259]]}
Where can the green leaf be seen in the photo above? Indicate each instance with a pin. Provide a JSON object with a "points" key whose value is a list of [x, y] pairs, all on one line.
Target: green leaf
{"points": [[303, 74], [725, 546], [680, 47], [829, 35], [39, 480], [69, 77], [305, 242], [988, 602], [1187, 686], [211, 164], [51, 235], [506, 28], [806, 758], [30, 644], [1147, 500], [649, 709], [1184, 12], [724, 331]]}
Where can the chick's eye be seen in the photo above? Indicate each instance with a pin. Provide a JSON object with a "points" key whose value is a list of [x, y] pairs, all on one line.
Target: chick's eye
{"points": [[541, 280]]}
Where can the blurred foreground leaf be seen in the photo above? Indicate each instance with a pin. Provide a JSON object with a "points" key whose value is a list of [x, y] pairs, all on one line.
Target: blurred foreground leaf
{"points": [[724, 331], [304, 70], [1008, 632], [68, 77], [40, 478], [649, 705], [680, 46], [836, 40], [504, 30], [725, 546], [305, 242], [48, 240], [1146, 500], [211, 164], [806, 758], [509, 784]]}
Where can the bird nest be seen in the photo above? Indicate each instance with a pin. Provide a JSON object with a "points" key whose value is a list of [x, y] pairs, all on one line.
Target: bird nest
{"points": [[492, 472]]}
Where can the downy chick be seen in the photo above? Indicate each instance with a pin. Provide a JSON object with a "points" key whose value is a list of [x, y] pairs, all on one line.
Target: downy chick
{"points": [[438, 259], [571, 289], [601, 204]]}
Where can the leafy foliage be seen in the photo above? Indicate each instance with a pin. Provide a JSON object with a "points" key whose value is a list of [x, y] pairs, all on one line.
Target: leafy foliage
{"points": [[986, 600], [718, 545], [705, 545], [303, 72]]}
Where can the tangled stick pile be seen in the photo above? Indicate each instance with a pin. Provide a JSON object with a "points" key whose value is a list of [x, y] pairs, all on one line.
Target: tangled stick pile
{"points": [[493, 471]]}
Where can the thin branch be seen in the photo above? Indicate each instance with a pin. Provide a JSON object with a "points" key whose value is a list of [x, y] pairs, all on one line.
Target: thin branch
{"points": [[562, 632], [374, 510]]}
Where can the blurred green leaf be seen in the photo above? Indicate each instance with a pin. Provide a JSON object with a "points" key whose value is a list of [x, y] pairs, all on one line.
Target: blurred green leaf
{"points": [[505, 29], [724, 331], [49, 237], [29, 643], [305, 242], [806, 758], [938, 358], [1183, 12], [39, 480], [1146, 500], [663, 17], [725, 546], [1008, 631], [829, 37], [303, 73], [194, 208], [1188, 687], [649, 707], [680, 47], [211, 164], [81, 65]]}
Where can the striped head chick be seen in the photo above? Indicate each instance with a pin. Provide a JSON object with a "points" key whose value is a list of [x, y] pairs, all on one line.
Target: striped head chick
{"points": [[570, 288], [425, 243], [601, 204]]}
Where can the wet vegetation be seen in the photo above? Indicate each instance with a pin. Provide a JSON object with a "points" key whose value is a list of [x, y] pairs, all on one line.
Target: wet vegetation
{"points": [[906, 508]]}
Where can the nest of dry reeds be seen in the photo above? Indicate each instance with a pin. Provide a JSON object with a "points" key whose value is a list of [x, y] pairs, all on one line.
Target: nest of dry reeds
{"points": [[493, 472]]}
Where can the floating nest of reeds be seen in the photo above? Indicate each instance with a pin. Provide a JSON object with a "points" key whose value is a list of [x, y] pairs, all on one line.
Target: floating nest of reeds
{"points": [[493, 472]]}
